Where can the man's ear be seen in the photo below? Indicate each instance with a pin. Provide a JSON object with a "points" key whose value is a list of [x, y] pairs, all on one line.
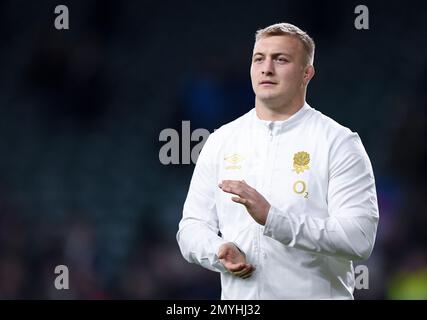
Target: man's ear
{"points": [[308, 74]]}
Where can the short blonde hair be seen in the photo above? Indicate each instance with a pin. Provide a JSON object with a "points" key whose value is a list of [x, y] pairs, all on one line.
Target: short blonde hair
{"points": [[279, 29]]}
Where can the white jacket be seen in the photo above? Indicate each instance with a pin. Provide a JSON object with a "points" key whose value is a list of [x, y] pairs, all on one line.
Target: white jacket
{"points": [[319, 181]]}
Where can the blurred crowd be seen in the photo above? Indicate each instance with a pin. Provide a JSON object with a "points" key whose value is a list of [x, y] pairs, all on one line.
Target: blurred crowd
{"points": [[81, 110]]}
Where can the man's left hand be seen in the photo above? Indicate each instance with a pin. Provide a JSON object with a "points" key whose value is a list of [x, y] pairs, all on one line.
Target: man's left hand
{"points": [[254, 202]]}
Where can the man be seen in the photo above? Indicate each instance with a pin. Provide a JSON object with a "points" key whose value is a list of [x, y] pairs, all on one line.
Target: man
{"points": [[282, 199]]}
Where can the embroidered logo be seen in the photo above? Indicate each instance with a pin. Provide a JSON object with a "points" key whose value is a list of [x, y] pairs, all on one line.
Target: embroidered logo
{"points": [[300, 187], [234, 161], [301, 161]]}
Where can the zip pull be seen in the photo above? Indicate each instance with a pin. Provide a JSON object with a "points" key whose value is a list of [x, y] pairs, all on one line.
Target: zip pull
{"points": [[270, 126]]}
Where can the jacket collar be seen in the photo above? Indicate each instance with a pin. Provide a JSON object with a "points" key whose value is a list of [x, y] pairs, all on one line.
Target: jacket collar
{"points": [[277, 127]]}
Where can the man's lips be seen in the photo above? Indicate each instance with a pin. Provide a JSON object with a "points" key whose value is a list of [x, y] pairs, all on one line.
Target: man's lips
{"points": [[267, 82]]}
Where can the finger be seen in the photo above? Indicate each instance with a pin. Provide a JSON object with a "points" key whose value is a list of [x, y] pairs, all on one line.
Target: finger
{"points": [[245, 190], [248, 269], [240, 200], [247, 276], [248, 188], [243, 184], [241, 272], [229, 181], [238, 184], [225, 184], [233, 184], [247, 273], [237, 188], [230, 189], [236, 267], [244, 275]]}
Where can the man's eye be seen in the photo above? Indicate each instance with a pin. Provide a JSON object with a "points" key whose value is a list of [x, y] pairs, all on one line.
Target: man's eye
{"points": [[257, 59], [282, 60]]}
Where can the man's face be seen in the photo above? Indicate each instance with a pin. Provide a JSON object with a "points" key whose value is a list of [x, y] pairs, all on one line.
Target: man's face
{"points": [[277, 70]]}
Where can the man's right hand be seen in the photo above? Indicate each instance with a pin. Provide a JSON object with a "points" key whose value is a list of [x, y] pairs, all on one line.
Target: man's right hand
{"points": [[235, 261]]}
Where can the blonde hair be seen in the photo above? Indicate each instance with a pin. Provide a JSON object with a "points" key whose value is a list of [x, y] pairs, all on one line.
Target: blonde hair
{"points": [[280, 29]]}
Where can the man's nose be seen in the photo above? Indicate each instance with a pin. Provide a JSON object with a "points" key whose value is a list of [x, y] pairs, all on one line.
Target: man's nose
{"points": [[267, 68]]}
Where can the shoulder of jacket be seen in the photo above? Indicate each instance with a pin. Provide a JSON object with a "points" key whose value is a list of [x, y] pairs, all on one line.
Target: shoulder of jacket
{"points": [[334, 131], [229, 128], [340, 139]]}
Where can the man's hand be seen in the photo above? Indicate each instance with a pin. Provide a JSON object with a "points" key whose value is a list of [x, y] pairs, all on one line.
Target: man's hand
{"points": [[235, 261], [254, 202]]}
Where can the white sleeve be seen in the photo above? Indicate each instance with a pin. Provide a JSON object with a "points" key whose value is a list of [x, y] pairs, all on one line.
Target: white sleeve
{"points": [[198, 229], [349, 230]]}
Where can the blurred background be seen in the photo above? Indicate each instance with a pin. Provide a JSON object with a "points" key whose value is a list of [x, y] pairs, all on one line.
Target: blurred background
{"points": [[81, 110]]}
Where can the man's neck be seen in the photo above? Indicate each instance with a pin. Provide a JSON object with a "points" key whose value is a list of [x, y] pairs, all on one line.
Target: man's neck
{"points": [[277, 113]]}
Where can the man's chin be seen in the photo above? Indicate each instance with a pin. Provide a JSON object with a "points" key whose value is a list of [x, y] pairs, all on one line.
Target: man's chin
{"points": [[268, 98]]}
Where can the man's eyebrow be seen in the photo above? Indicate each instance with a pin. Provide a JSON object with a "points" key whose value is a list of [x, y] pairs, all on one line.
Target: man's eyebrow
{"points": [[273, 54]]}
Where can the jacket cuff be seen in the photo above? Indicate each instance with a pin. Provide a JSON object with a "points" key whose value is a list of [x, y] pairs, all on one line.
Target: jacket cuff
{"points": [[278, 226]]}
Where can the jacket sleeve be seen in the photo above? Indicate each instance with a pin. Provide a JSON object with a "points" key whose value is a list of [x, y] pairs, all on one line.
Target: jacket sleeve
{"points": [[197, 236], [349, 230]]}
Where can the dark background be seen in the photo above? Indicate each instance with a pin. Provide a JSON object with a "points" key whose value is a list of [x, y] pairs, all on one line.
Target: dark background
{"points": [[81, 111]]}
